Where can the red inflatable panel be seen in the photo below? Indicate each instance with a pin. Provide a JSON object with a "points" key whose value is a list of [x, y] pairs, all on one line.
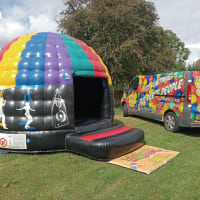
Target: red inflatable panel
{"points": [[107, 133]]}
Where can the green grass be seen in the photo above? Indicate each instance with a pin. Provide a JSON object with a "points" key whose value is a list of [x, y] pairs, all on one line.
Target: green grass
{"points": [[68, 176]]}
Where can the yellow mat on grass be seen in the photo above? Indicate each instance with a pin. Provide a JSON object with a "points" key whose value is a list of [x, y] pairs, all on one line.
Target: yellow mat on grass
{"points": [[145, 159]]}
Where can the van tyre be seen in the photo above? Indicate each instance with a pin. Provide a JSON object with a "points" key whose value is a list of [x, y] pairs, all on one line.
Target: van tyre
{"points": [[171, 122], [125, 110]]}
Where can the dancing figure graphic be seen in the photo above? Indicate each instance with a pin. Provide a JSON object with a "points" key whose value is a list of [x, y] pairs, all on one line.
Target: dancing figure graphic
{"points": [[27, 108], [2, 115]]}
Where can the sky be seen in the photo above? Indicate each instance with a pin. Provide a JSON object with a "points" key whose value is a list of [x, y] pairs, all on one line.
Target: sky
{"points": [[182, 17], [18, 17]]}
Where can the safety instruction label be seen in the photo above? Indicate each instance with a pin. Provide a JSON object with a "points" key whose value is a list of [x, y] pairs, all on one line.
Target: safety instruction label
{"points": [[13, 141]]}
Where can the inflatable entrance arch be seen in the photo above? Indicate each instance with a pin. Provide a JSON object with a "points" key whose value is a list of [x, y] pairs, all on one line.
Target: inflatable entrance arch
{"points": [[54, 91]]}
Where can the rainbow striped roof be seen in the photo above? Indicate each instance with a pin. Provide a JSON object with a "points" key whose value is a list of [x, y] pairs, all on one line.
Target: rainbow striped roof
{"points": [[40, 59]]}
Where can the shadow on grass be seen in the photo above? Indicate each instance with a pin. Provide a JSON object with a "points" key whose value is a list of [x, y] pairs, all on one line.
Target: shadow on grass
{"points": [[148, 120], [192, 132], [118, 122]]}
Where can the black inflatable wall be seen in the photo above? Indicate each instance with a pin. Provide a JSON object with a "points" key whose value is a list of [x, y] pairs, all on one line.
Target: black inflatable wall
{"points": [[48, 108]]}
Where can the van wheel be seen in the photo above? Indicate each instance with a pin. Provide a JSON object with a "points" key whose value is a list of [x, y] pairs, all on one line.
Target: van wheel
{"points": [[125, 110], [171, 122]]}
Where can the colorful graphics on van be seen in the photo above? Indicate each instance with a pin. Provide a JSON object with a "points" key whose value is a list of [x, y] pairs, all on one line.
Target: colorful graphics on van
{"points": [[158, 93], [195, 96]]}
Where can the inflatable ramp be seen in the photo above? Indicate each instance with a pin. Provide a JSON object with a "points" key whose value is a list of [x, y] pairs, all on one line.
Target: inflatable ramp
{"points": [[105, 144]]}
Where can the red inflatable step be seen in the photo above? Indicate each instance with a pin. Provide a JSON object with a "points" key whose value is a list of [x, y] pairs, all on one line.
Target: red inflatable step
{"points": [[107, 133]]}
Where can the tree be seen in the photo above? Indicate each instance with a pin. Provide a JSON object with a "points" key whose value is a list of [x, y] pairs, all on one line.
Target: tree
{"points": [[197, 63], [179, 49], [125, 33], [195, 66]]}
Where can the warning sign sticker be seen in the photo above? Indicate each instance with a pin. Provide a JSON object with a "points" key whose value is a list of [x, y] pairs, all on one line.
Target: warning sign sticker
{"points": [[13, 141], [3, 142]]}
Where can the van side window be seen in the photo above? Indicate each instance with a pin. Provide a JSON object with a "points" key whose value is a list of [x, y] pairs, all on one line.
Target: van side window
{"points": [[134, 84]]}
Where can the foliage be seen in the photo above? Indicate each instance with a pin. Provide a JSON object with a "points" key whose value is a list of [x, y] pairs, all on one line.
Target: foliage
{"points": [[178, 47], [193, 67], [125, 33], [197, 63]]}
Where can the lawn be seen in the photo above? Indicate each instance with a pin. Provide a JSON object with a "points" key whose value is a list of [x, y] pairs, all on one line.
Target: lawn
{"points": [[68, 176]]}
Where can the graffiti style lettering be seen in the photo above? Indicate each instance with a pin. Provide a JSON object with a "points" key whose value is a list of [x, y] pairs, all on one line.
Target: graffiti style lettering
{"points": [[197, 79], [180, 84], [159, 92], [151, 96], [142, 100], [174, 86], [164, 79], [157, 82]]}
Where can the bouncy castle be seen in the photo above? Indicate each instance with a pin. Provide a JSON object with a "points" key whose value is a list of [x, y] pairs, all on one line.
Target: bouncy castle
{"points": [[56, 95]]}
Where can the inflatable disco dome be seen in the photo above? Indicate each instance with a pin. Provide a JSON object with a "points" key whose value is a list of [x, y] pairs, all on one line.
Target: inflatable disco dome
{"points": [[56, 94]]}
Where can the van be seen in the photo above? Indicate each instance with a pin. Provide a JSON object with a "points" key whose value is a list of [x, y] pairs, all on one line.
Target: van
{"points": [[173, 98]]}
